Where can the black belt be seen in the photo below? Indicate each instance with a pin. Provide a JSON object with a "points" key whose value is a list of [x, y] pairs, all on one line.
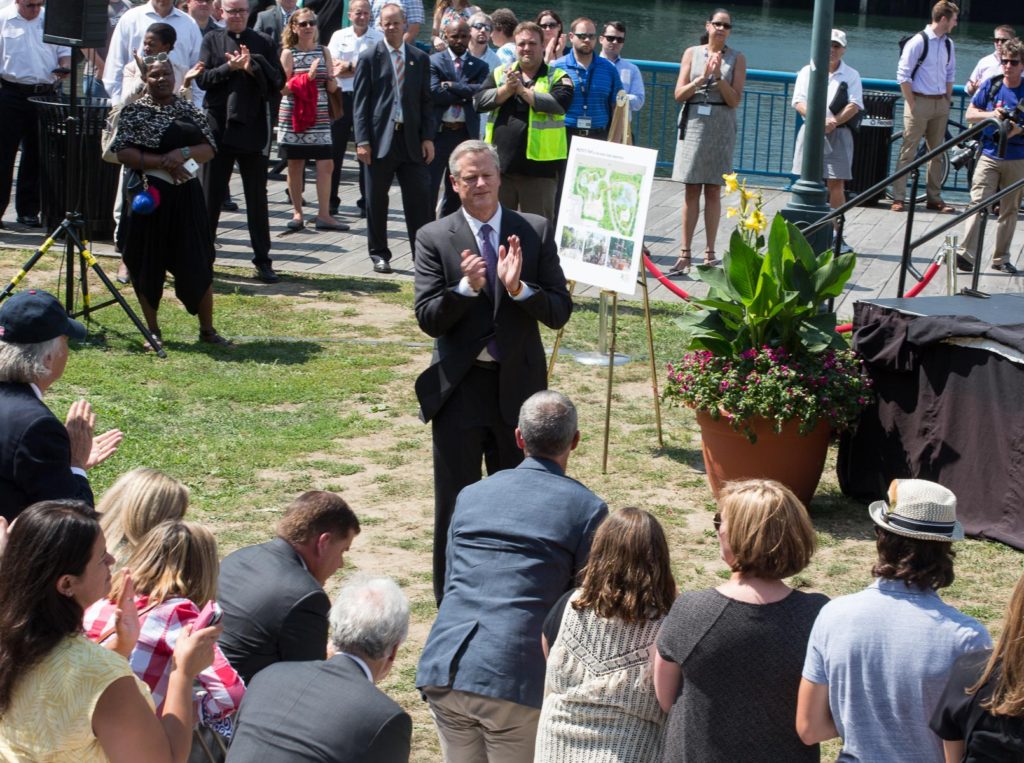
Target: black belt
{"points": [[453, 126], [17, 87], [602, 133], [489, 365]]}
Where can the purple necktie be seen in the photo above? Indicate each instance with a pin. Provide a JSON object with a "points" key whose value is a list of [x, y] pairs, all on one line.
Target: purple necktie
{"points": [[491, 258], [456, 108]]}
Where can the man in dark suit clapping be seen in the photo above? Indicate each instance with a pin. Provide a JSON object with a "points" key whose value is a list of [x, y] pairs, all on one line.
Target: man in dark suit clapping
{"points": [[394, 135], [455, 77], [485, 277]]}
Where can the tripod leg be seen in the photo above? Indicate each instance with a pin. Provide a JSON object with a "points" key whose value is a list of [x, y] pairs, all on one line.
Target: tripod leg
{"points": [[86, 305], [42, 250]]}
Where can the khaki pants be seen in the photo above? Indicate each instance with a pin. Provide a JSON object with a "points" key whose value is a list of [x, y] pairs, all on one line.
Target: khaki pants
{"points": [[477, 729], [529, 194], [926, 120], [989, 176]]}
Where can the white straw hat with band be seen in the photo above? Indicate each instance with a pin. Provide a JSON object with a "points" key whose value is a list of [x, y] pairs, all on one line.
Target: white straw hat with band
{"points": [[918, 509]]}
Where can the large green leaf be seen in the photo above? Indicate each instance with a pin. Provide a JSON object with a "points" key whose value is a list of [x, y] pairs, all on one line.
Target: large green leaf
{"points": [[706, 330], [717, 278], [819, 333], [801, 248], [742, 266], [842, 269]]}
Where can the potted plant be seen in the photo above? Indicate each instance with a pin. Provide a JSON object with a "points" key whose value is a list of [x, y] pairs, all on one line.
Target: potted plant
{"points": [[769, 377]]}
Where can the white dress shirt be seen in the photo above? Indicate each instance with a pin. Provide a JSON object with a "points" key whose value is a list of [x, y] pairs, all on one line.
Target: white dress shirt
{"points": [[843, 73], [987, 67], [346, 46], [632, 81], [24, 57], [475, 225], [936, 70], [128, 35], [396, 112]]}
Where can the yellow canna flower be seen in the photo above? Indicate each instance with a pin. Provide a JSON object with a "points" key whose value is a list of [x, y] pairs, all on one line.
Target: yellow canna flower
{"points": [[731, 212], [747, 195], [731, 184], [756, 222]]}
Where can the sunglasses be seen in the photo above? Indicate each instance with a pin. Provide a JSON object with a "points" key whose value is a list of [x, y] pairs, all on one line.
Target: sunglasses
{"points": [[305, 24], [584, 36], [1000, 40], [483, 27], [613, 38], [720, 24], [1010, 61], [551, 25], [717, 521], [159, 58]]}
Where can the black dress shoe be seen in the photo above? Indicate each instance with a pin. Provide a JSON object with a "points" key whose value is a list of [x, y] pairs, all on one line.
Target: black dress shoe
{"points": [[31, 221], [380, 265], [229, 206], [963, 264], [1005, 267], [265, 272], [320, 225]]}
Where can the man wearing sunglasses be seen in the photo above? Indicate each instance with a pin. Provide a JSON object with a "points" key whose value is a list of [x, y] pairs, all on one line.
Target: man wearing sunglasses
{"points": [[27, 68], [612, 42], [1000, 97], [595, 81], [989, 66]]}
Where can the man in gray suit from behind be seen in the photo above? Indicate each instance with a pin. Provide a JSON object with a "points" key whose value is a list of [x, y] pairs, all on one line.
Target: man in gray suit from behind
{"points": [[516, 543], [309, 712]]}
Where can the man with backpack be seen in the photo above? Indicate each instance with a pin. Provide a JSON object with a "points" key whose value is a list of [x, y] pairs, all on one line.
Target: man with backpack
{"points": [[926, 73], [1000, 97]]}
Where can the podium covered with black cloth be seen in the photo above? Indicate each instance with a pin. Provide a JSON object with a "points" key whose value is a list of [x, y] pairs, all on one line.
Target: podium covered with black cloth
{"points": [[948, 375]]}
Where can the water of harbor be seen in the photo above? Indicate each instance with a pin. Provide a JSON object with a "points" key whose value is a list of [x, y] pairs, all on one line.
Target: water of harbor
{"points": [[777, 39]]}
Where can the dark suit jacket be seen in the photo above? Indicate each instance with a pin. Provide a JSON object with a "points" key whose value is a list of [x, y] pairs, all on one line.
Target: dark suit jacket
{"points": [[463, 325], [236, 102], [373, 96], [271, 23], [319, 711], [35, 453], [461, 90], [274, 611], [516, 543]]}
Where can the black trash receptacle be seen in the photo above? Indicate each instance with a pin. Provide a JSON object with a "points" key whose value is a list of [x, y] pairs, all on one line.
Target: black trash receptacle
{"points": [[98, 179], [871, 144]]}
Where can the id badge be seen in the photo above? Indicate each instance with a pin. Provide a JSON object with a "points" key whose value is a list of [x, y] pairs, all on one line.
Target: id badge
{"points": [[583, 123], [704, 110]]}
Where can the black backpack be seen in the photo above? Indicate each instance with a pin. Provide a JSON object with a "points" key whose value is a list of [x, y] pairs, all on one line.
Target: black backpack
{"points": [[924, 51]]}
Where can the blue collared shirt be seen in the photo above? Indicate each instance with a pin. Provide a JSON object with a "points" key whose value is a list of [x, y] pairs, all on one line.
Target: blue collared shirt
{"points": [[595, 88], [632, 81]]}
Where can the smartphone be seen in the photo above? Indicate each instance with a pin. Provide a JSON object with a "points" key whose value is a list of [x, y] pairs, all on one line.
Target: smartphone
{"points": [[61, 70], [192, 166], [209, 615]]}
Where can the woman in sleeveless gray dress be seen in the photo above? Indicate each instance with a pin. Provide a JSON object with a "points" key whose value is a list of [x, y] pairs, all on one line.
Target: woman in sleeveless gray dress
{"points": [[710, 85]]}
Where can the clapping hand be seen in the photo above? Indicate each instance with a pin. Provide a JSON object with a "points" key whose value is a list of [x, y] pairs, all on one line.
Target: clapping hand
{"points": [[126, 619], [474, 268], [510, 264], [240, 61], [713, 67], [312, 68]]}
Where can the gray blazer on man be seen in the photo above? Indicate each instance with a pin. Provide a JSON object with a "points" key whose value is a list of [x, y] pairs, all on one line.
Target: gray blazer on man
{"points": [[271, 23], [310, 712], [516, 543]]}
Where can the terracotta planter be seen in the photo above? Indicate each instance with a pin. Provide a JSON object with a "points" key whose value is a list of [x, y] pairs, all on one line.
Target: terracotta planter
{"points": [[795, 460]]}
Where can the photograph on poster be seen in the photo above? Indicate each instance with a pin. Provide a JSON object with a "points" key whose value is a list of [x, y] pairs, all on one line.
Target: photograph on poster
{"points": [[603, 213]]}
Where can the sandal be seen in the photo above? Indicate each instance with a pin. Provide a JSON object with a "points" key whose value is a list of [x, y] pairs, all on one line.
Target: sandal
{"points": [[710, 260], [210, 336], [159, 341], [682, 264]]}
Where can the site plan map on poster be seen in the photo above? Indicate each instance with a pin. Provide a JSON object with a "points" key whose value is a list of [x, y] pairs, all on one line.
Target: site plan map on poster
{"points": [[604, 212]]}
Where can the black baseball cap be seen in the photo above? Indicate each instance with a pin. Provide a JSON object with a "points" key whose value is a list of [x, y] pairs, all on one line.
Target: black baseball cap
{"points": [[33, 316]]}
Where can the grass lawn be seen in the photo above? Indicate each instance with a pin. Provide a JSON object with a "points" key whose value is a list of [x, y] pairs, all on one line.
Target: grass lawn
{"points": [[319, 394]]}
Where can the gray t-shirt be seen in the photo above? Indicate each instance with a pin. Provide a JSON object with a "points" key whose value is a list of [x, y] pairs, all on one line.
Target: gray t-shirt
{"points": [[741, 672], [885, 654]]}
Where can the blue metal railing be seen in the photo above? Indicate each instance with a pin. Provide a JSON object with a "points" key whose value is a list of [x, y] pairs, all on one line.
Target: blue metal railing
{"points": [[766, 122]]}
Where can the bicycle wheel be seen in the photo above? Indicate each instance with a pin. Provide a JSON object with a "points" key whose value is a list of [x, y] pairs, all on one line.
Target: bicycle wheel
{"points": [[896, 143]]}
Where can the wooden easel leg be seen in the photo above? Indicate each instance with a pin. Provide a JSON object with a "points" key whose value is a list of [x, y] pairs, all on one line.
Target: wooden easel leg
{"points": [[608, 395], [558, 340], [650, 354]]}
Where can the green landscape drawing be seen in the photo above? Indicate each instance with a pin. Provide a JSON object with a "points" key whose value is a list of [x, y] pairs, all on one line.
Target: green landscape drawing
{"points": [[609, 198]]}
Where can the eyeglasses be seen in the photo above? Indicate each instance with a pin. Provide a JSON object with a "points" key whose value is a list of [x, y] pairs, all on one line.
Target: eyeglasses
{"points": [[33, 5], [235, 11], [159, 58], [550, 25], [720, 24], [584, 35], [1010, 61], [483, 27], [305, 24], [612, 38], [717, 521], [1000, 40]]}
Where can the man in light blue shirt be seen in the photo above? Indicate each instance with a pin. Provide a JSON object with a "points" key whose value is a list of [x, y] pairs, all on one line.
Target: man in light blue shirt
{"points": [[877, 661], [612, 41]]}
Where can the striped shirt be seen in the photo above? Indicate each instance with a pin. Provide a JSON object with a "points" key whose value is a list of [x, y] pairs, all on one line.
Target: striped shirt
{"points": [[594, 90]]}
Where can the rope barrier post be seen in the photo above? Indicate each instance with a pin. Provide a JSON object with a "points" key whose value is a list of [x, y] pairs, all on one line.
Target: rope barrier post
{"points": [[650, 354], [558, 340], [611, 371]]}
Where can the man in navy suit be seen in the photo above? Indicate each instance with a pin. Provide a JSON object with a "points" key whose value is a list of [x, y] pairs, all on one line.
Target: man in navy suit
{"points": [[331, 710], [517, 541], [485, 277], [40, 458], [394, 136], [455, 77]]}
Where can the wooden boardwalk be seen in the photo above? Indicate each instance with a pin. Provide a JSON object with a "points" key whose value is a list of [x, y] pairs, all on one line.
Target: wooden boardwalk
{"points": [[874, 232]]}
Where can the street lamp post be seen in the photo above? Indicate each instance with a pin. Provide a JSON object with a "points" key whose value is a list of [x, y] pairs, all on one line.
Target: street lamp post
{"points": [[809, 195]]}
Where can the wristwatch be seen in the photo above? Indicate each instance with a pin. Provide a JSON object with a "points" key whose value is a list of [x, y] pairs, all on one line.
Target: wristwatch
{"points": [[186, 152]]}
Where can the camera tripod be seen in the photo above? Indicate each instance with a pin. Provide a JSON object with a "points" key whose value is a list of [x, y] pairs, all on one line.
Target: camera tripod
{"points": [[72, 231]]}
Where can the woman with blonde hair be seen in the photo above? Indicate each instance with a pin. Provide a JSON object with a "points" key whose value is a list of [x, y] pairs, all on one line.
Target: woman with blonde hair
{"points": [[136, 503], [980, 717], [599, 701], [173, 574], [728, 663]]}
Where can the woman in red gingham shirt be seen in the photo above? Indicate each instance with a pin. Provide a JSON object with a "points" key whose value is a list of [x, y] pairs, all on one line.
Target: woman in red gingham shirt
{"points": [[174, 573]]}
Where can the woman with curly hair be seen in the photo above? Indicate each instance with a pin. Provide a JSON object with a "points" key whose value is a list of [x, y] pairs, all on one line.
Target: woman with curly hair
{"points": [[599, 700]]}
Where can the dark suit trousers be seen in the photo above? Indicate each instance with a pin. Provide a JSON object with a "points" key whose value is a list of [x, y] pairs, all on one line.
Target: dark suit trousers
{"points": [[444, 143], [19, 126], [341, 131], [253, 168], [466, 431], [414, 179]]}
